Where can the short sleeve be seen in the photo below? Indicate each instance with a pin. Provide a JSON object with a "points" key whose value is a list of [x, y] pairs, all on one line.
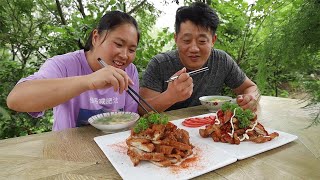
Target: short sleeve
{"points": [[151, 78], [48, 70], [235, 76]]}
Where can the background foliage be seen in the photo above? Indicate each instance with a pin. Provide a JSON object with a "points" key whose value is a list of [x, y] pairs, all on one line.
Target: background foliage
{"points": [[275, 42]]}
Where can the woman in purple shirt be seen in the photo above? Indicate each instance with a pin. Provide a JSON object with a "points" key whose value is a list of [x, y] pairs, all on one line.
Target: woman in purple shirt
{"points": [[76, 86]]}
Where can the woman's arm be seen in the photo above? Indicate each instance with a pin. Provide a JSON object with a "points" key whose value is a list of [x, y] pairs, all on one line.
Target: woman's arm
{"points": [[42, 94]]}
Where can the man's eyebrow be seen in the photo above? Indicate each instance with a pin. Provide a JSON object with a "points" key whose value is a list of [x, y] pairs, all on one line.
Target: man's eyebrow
{"points": [[190, 35], [203, 36], [187, 35]]}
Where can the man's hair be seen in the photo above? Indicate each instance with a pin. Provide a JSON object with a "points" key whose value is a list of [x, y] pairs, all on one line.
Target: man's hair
{"points": [[198, 13]]}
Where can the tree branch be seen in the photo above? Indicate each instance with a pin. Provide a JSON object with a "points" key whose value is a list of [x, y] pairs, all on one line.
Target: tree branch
{"points": [[243, 47], [137, 7], [54, 14], [264, 18]]}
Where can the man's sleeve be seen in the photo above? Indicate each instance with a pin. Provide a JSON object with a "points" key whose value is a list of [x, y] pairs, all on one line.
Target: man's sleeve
{"points": [[235, 76], [151, 78]]}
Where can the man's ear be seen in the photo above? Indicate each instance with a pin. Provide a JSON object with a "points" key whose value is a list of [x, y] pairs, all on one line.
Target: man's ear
{"points": [[214, 38]]}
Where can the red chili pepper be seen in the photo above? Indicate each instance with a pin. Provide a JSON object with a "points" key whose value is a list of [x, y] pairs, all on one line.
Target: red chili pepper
{"points": [[198, 122]]}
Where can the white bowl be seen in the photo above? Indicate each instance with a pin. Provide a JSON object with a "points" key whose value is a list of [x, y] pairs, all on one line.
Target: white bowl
{"points": [[214, 103], [111, 122]]}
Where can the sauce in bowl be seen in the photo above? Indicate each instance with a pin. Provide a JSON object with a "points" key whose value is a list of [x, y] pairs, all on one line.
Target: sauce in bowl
{"points": [[216, 99], [114, 119], [111, 122]]}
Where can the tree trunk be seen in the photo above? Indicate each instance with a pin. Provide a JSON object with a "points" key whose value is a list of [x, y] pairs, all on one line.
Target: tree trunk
{"points": [[81, 9], [63, 20]]}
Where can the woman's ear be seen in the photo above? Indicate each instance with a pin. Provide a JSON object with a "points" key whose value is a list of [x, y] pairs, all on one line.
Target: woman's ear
{"points": [[95, 38]]}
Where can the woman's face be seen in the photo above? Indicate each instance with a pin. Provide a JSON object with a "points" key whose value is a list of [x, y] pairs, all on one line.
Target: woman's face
{"points": [[194, 45], [116, 47]]}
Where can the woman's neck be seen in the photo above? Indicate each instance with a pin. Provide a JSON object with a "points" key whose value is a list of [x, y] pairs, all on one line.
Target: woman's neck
{"points": [[92, 61]]}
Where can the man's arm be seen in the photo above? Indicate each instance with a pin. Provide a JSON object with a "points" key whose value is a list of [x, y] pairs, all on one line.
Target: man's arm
{"points": [[159, 101], [178, 90]]}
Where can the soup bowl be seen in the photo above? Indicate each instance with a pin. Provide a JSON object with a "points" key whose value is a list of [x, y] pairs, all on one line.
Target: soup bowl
{"points": [[214, 103], [111, 122]]}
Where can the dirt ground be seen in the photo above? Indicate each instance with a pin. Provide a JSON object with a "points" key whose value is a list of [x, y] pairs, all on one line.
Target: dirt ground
{"points": [[297, 95]]}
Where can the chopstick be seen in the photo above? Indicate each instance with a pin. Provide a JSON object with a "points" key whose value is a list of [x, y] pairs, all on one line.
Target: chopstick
{"points": [[137, 102], [102, 63], [190, 73], [130, 91], [149, 106]]}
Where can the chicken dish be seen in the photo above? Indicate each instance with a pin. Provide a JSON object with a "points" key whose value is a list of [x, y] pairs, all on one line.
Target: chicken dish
{"points": [[233, 125], [155, 139]]}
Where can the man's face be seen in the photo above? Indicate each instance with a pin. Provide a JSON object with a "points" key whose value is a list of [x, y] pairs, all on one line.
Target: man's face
{"points": [[194, 45]]}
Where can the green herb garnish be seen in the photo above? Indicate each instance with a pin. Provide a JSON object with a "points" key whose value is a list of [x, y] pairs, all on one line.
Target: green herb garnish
{"points": [[229, 106], [244, 116], [148, 119]]}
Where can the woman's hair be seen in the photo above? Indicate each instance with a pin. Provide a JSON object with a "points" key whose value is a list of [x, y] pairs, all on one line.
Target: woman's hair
{"points": [[109, 22], [198, 13]]}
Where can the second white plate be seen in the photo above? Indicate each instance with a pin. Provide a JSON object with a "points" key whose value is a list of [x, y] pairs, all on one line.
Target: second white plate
{"points": [[244, 149]]}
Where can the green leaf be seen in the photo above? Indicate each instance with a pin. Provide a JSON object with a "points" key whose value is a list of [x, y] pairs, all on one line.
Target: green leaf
{"points": [[148, 119]]}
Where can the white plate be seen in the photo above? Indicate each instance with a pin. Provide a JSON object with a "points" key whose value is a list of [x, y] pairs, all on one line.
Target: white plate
{"points": [[208, 158], [210, 155], [244, 149]]}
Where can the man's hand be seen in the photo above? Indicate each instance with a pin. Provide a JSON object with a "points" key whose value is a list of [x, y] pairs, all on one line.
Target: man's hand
{"points": [[247, 101], [181, 88]]}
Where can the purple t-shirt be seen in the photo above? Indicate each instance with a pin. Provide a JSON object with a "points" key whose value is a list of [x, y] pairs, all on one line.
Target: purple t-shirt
{"points": [[78, 110]]}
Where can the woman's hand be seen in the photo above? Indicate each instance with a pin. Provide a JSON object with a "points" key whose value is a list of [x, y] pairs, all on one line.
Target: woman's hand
{"points": [[107, 77]]}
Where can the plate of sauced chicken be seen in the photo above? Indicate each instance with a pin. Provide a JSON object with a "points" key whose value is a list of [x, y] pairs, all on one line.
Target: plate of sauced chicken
{"points": [[234, 125], [235, 130], [157, 149]]}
